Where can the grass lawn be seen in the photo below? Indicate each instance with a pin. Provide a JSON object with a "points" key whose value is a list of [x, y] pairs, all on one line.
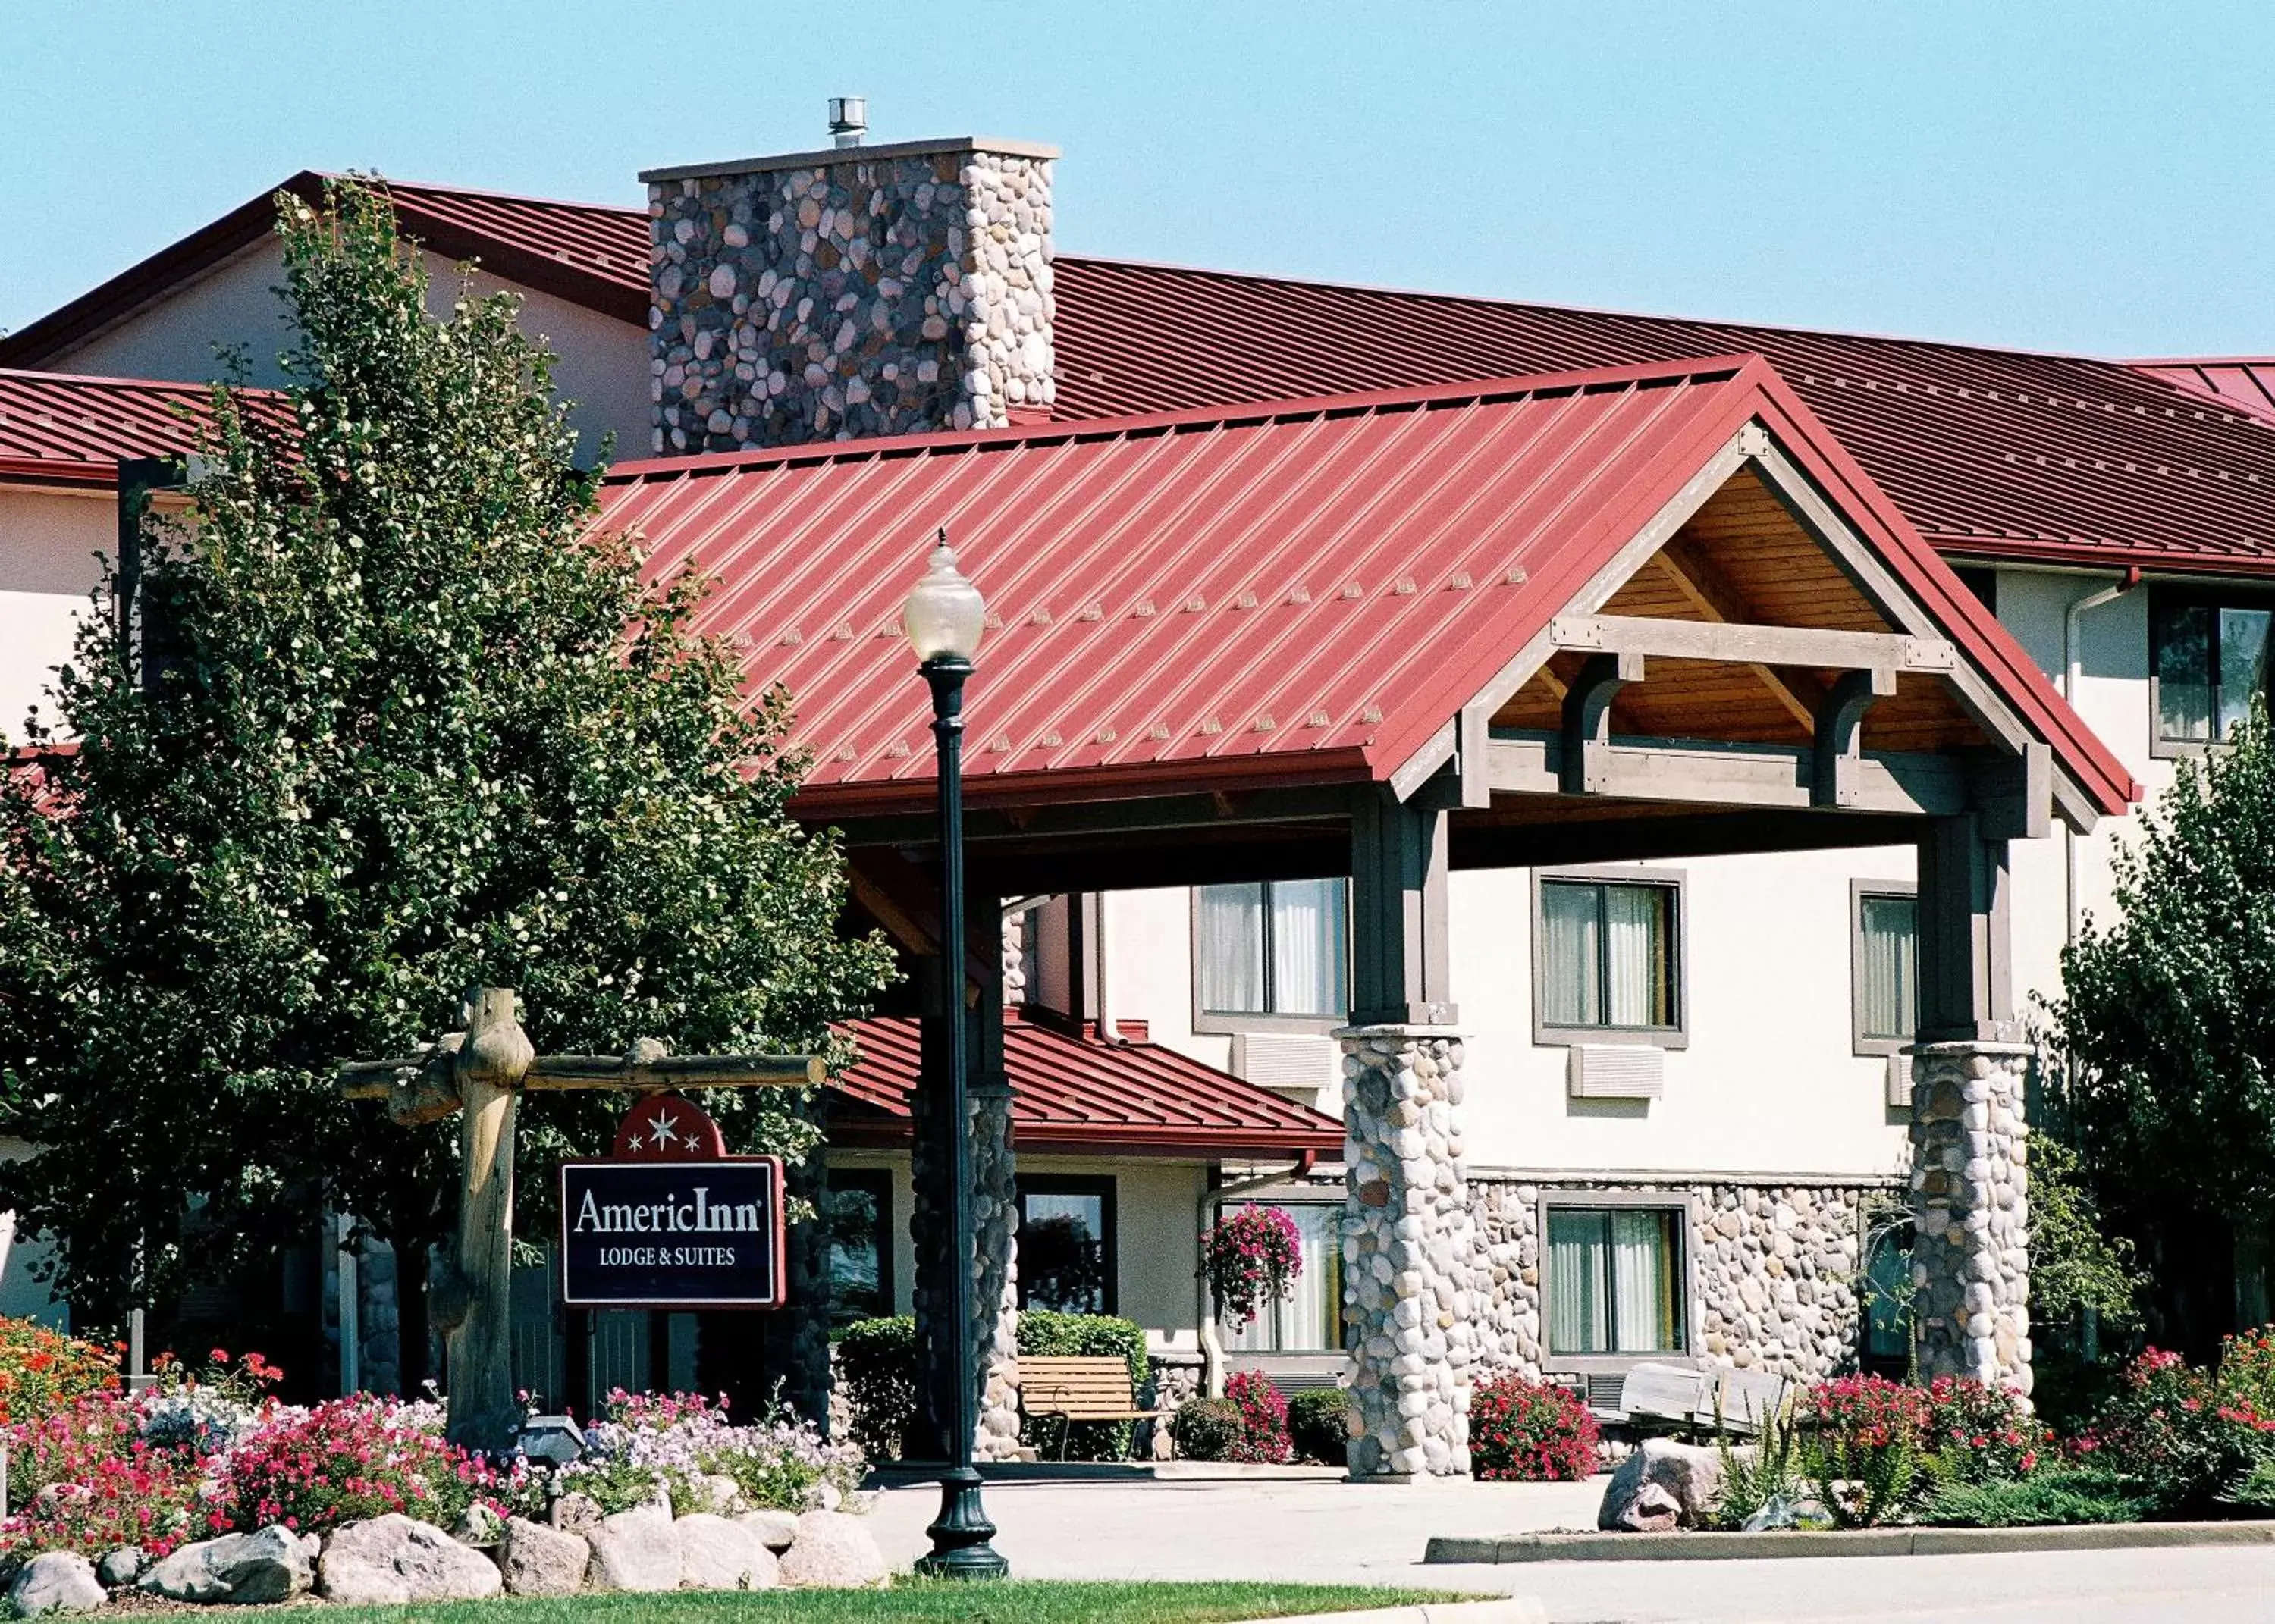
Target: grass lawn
{"points": [[1017, 1602]]}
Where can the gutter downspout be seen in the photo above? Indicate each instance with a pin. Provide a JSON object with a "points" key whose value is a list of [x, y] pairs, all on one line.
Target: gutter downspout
{"points": [[1204, 1318], [1109, 1029], [2071, 663]]}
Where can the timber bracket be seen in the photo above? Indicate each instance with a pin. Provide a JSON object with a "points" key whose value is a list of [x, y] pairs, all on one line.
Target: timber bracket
{"points": [[1585, 764], [1837, 774]]}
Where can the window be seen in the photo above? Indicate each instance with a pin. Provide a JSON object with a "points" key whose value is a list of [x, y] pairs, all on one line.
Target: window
{"points": [[1607, 957], [1888, 1329], [1311, 1320], [1982, 582], [2210, 662], [1277, 949], [858, 1211], [1066, 1245], [1615, 1279], [1885, 965]]}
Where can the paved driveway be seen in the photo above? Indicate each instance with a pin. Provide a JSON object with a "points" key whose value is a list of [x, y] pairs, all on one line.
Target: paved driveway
{"points": [[1345, 1532]]}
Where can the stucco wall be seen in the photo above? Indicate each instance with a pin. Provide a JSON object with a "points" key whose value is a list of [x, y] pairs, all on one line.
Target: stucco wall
{"points": [[47, 571], [603, 365]]}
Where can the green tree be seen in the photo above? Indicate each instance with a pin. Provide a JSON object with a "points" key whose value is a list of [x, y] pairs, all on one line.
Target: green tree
{"points": [[2165, 1030], [402, 723]]}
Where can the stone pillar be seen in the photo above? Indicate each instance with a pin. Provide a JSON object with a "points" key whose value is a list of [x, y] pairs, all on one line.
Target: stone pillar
{"points": [[888, 290], [798, 1335], [995, 1272], [1416, 1284], [1971, 1184]]}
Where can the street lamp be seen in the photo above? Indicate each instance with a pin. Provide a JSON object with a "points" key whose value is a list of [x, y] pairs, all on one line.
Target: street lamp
{"points": [[944, 620]]}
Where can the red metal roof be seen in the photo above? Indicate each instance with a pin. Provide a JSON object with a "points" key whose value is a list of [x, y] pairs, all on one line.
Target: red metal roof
{"points": [[2244, 383], [57, 428], [1988, 452], [1301, 592], [1070, 1093]]}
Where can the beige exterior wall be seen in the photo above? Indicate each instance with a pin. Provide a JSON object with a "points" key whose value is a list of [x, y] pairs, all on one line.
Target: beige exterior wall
{"points": [[603, 365], [47, 571]]}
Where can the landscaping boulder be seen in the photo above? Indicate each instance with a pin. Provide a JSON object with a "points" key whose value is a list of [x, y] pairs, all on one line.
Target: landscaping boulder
{"points": [[122, 1566], [716, 1554], [635, 1550], [575, 1513], [395, 1558], [833, 1550], [270, 1564], [478, 1525], [1652, 1511], [538, 1560], [1688, 1475], [719, 1494], [776, 1529], [58, 1581]]}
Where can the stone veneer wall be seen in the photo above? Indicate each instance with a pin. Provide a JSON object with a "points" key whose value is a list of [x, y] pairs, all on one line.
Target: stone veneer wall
{"points": [[882, 290], [1971, 1203], [1773, 1280]]}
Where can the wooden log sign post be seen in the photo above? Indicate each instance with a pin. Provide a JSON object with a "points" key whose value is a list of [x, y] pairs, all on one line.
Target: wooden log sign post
{"points": [[481, 1071]]}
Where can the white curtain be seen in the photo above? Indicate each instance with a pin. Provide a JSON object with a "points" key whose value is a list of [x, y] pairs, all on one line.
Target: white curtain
{"points": [[2243, 663], [1642, 1286], [1889, 995], [1635, 956], [1308, 976], [1231, 970], [1578, 1313], [1311, 1319], [1569, 925]]}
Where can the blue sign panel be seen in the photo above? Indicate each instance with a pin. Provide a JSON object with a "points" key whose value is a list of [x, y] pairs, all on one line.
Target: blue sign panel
{"points": [[672, 1235]]}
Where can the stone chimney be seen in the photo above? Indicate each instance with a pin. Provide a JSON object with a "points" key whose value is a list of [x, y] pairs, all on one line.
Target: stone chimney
{"points": [[857, 292]]}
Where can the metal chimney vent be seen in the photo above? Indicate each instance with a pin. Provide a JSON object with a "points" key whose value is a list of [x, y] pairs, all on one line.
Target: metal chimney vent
{"points": [[849, 119]]}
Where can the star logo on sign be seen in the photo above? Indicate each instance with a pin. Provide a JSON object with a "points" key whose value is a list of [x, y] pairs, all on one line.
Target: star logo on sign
{"points": [[661, 1132]]}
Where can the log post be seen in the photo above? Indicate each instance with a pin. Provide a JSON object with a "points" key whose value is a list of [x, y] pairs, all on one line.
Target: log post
{"points": [[491, 1065]]}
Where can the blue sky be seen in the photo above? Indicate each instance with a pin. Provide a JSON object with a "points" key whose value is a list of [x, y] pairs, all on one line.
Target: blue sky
{"points": [[2081, 175]]}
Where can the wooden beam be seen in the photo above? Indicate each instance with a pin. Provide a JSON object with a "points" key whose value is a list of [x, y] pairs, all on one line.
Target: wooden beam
{"points": [[1588, 718], [1837, 778], [1752, 645], [1400, 959], [1709, 592], [1710, 773]]}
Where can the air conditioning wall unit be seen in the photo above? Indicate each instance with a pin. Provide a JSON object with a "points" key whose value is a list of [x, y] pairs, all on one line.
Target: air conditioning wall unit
{"points": [[1615, 1072], [1900, 1080], [1293, 1063]]}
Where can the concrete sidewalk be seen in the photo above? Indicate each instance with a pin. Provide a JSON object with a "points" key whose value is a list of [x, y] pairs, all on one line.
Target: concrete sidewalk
{"points": [[1347, 1533]]}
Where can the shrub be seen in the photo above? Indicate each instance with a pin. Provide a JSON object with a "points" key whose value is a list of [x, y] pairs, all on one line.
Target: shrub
{"points": [[1207, 1429], [1978, 1434], [1252, 1257], [672, 1442], [1315, 1425], [1044, 1333], [350, 1459], [2170, 1430], [1530, 1431], [206, 1411], [2247, 1368], [877, 1372], [1262, 1419], [1865, 1448], [92, 1483], [2059, 1495], [1765, 1478], [42, 1371]]}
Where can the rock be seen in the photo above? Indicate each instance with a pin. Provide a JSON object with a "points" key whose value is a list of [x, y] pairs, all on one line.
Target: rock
{"points": [[538, 1560], [833, 1550], [312, 1543], [1689, 1477], [478, 1525], [635, 1550], [122, 1566], [823, 1496], [719, 1494], [575, 1513], [56, 1581], [271, 1565], [394, 1559], [1652, 1511], [776, 1529], [716, 1554]]}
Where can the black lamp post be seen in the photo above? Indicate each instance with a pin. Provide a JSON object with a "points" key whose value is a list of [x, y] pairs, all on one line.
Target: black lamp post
{"points": [[944, 620]]}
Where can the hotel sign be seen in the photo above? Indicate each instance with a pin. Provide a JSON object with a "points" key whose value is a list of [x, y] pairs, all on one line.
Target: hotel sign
{"points": [[702, 1234]]}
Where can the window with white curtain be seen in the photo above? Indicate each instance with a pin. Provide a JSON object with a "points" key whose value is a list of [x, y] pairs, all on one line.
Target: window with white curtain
{"points": [[1312, 1319], [1279, 948], [2211, 660], [1886, 969], [1614, 1282], [1608, 954]]}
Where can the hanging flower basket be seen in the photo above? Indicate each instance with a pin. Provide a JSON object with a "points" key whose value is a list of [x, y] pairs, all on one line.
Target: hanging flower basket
{"points": [[1252, 1257]]}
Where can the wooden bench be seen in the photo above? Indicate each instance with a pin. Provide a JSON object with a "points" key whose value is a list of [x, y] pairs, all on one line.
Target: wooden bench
{"points": [[1677, 1396], [1079, 1387]]}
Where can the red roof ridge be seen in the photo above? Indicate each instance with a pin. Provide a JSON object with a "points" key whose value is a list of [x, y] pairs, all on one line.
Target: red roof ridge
{"points": [[82, 380], [1701, 369]]}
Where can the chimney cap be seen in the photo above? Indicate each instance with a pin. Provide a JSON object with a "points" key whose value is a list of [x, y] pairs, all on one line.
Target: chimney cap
{"points": [[863, 154], [849, 119]]}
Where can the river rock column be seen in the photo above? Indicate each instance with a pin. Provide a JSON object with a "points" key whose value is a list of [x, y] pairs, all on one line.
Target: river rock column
{"points": [[1969, 1193], [1417, 1283], [996, 1275]]}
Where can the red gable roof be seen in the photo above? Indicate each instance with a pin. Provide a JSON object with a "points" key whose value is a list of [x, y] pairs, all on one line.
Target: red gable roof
{"points": [[2242, 383], [1301, 592], [56, 429], [1072, 1093], [1988, 452]]}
